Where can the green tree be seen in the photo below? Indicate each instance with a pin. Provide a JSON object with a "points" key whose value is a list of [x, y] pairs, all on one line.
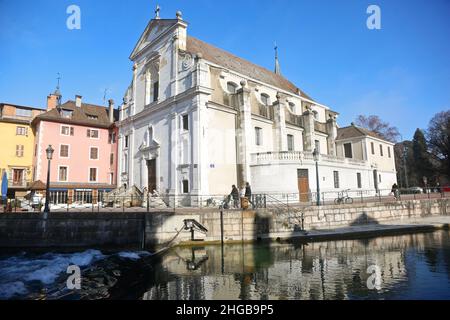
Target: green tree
{"points": [[422, 164], [404, 162]]}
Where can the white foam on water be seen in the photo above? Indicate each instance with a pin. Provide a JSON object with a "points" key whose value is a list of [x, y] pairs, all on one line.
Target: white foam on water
{"points": [[133, 255], [18, 271]]}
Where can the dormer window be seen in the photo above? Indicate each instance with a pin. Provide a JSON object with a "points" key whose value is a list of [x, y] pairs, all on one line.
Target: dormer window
{"points": [[231, 87], [92, 117], [23, 112], [265, 99], [292, 107], [316, 115], [66, 113]]}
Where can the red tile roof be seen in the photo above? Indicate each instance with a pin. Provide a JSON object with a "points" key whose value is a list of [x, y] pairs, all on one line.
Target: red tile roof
{"points": [[80, 115], [247, 68]]}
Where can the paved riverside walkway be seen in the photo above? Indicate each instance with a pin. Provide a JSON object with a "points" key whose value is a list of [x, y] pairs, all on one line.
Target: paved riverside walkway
{"points": [[374, 229]]}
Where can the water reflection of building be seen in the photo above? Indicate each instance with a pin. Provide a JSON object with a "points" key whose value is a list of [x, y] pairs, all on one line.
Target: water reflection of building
{"points": [[322, 270]]}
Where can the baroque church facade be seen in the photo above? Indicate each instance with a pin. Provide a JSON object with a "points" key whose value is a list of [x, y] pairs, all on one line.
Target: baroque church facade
{"points": [[196, 120]]}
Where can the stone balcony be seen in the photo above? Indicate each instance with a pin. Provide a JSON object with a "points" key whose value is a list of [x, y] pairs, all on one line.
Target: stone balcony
{"points": [[300, 157]]}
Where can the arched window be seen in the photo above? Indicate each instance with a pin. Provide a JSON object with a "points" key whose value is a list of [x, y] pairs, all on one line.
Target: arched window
{"points": [[265, 99], [231, 87], [152, 82]]}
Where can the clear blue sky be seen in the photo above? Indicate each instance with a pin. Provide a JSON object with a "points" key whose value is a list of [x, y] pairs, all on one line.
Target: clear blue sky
{"points": [[401, 72]]}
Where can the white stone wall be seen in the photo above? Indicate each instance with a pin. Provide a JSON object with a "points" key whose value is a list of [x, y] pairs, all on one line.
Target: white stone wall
{"points": [[382, 162], [221, 140], [282, 178]]}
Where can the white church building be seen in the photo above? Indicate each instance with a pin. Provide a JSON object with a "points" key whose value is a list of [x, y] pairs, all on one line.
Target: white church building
{"points": [[196, 119]]}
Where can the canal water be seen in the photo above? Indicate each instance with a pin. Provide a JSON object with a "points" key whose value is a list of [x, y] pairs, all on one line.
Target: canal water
{"points": [[415, 266]]}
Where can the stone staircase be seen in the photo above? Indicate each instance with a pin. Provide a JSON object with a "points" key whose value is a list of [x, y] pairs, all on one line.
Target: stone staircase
{"points": [[132, 197], [154, 202]]}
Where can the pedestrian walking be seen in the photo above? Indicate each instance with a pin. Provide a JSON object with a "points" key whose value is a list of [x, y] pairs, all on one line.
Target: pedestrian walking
{"points": [[395, 191], [235, 196], [248, 194]]}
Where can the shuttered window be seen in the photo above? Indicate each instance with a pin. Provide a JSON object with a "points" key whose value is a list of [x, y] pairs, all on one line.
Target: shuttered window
{"points": [[358, 178], [66, 130], [92, 133], [290, 142], [64, 151], [92, 174], [94, 154], [348, 150], [19, 150], [336, 179], [21, 131], [62, 173]]}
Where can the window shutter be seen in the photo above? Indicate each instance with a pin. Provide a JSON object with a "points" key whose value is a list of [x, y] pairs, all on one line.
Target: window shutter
{"points": [[71, 131]]}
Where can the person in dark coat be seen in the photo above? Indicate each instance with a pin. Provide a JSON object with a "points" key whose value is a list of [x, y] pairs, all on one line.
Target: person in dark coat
{"points": [[235, 196], [248, 193], [395, 191]]}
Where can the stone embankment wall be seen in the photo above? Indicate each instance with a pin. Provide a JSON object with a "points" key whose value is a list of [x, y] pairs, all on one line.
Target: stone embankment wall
{"points": [[22, 230], [284, 222], [157, 229]]}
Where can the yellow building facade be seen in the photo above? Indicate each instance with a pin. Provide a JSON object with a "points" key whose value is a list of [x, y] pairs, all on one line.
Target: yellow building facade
{"points": [[17, 146]]}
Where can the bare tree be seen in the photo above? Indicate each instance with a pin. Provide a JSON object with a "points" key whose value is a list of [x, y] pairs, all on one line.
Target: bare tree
{"points": [[438, 136], [375, 124]]}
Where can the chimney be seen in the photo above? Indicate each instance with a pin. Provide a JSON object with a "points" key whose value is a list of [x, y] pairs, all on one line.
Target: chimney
{"points": [[78, 101], [52, 101], [111, 110]]}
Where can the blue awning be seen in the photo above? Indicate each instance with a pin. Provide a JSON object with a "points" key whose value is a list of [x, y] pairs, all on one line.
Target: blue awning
{"points": [[4, 188]]}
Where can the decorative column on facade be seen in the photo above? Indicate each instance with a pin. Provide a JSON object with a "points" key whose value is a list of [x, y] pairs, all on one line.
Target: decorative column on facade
{"points": [[198, 119], [173, 154], [131, 153], [280, 133], [332, 135], [244, 133], [174, 73], [133, 105], [308, 122]]}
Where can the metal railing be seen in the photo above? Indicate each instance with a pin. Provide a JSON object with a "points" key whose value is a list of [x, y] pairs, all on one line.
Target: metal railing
{"points": [[329, 197], [291, 203]]}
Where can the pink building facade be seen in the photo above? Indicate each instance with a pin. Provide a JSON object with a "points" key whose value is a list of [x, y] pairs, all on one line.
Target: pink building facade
{"points": [[84, 139]]}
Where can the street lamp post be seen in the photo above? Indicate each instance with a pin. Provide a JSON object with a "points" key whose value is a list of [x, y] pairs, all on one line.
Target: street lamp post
{"points": [[49, 152], [316, 159], [405, 155]]}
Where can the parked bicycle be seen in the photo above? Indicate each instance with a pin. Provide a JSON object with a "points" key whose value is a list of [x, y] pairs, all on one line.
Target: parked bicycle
{"points": [[343, 198]]}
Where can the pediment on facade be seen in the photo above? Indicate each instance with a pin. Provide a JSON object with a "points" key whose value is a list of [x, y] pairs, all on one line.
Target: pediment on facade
{"points": [[152, 146], [155, 29]]}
